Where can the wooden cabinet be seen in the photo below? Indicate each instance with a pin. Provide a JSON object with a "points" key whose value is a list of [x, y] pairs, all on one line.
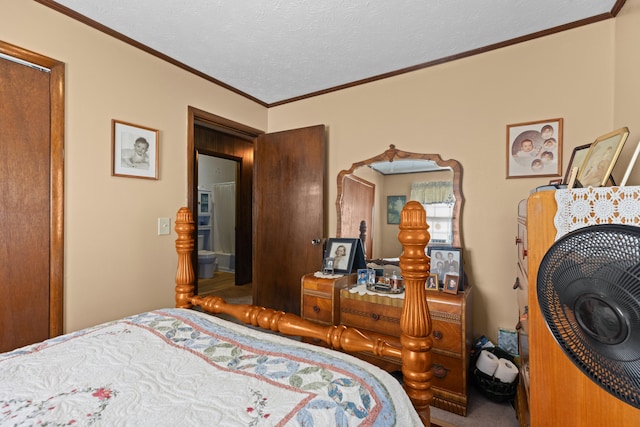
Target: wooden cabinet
{"points": [[321, 298], [451, 335], [559, 393]]}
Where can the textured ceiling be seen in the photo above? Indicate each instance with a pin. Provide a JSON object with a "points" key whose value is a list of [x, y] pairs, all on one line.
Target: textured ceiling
{"points": [[277, 50]]}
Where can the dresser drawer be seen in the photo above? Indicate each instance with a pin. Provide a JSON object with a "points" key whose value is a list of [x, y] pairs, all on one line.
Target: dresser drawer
{"points": [[447, 373], [445, 335], [320, 298], [385, 319], [381, 318], [320, 286], [318, 309]]}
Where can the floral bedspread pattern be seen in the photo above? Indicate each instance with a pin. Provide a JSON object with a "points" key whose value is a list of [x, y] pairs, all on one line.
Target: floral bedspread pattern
{"points": [[182, 367], [581, 207]]}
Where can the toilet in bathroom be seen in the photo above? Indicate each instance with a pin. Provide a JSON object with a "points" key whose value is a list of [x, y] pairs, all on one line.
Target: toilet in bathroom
{"points": [[206, 261]]}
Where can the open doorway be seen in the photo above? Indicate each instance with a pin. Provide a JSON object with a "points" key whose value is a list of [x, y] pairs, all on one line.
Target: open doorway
{"points": [[224, 150], [216, 222]]}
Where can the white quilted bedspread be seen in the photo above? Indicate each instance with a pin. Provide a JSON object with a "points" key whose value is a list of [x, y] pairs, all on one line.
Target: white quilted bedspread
{"points": [[183, 368]]}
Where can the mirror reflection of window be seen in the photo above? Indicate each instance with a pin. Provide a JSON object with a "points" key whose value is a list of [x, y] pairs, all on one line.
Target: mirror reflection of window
{"points": [[439, 219]]}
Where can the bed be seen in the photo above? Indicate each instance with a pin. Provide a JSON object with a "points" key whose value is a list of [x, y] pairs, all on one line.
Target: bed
{"points": [[183, 366]]}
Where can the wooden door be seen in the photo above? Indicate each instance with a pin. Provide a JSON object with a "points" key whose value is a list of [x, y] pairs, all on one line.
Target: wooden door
{"points": [[31, 179], [358, 197], [288, 214]]}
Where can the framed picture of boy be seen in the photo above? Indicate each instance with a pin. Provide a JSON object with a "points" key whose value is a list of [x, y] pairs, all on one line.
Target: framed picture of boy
{"points": [[134, 151]]}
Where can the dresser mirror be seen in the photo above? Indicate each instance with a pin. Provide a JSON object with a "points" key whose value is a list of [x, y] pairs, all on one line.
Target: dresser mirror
{"points": [[371, 194]]}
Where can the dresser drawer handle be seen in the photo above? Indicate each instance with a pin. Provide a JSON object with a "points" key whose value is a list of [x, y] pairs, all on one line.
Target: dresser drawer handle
{"points": [[375, 316], [518, 240], [439, 371], [517, 284], [437, 334], [316, 309]]}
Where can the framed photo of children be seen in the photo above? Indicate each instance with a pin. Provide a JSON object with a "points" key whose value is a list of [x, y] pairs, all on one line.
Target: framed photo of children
{"points": [[534, 149], [134, 151], [445, 260]]}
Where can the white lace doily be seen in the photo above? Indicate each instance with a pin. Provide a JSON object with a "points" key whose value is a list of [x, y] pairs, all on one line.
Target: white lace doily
{"points": [[362, 290], [322, 275], [581, 207]]}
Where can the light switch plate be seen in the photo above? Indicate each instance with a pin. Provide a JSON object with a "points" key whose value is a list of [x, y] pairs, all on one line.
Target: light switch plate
{"points": [[164, 226]]}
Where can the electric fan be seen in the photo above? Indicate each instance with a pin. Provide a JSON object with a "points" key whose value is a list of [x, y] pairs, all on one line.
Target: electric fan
{"points": [[589, 295]]}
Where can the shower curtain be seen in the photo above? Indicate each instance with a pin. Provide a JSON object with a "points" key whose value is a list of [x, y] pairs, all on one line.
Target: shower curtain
{"points": [[224, 217]]}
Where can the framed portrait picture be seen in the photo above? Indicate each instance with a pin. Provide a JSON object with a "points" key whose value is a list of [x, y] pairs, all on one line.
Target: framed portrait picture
{"points": [[601, 158], [134, 151], [363, 276], [446, 260], [534, 149], [577, 159], [343, 252], [632, 163], [394, 207], [451, 283], [432, 283], [327, 265]]}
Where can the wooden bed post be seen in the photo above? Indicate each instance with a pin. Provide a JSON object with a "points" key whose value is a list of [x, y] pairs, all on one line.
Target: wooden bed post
{"points": [[184, 247], [415, 322]]}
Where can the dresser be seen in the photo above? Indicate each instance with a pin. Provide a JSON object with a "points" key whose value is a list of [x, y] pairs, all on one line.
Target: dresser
{"points": [[320, 297], [558, 392], [377, 314]]}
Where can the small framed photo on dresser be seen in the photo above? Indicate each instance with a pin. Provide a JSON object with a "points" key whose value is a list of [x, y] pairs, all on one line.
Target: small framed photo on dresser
{"points": [[432, 283], [451, 283], [446, 260]]}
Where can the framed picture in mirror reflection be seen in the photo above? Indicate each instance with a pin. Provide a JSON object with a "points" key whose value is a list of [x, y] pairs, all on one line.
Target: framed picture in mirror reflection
{"points": [[394, 207]]}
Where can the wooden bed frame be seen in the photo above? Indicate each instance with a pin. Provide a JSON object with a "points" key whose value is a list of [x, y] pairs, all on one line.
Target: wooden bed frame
{"points": [[415, 322]]}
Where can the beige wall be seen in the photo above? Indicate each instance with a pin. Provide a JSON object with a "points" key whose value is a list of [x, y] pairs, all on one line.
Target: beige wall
{"points": [[460, 110], [626, 111], [116, 264]]}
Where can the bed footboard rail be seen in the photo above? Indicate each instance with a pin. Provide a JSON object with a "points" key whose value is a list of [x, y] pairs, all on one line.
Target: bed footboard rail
{"points": [[415, 321]]}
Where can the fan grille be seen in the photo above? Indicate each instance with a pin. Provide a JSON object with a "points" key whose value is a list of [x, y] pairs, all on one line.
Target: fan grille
{"points": [[589, 294]]}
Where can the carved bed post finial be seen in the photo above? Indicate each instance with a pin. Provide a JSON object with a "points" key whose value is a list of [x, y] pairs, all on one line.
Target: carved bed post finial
{"points": [[184, 247], [415, 321]]}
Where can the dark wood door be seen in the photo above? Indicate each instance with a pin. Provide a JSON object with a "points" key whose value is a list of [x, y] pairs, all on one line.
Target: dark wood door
{"points": [[30, 202], [288, 214]]}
